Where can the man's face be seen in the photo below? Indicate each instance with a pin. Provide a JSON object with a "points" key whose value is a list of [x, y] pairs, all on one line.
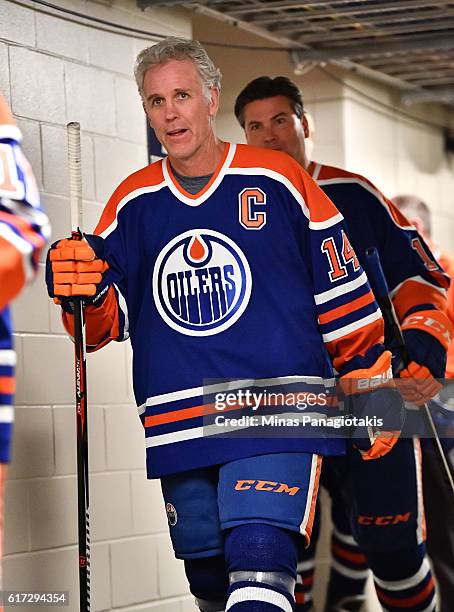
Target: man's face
{"points": [[177, 108], [272, 123]]}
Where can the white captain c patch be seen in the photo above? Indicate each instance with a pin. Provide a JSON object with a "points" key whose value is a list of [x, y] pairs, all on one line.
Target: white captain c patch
{"points": [[201, 283]]}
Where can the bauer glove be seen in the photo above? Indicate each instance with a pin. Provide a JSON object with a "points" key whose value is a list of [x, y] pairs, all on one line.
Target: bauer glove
{"points": [[376, 407], [75, 268]]}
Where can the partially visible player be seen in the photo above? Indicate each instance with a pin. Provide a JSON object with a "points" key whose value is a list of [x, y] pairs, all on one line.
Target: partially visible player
{"points": [[440, 524], [213, 262], [24, 230], [419, 215], [375, 504]]}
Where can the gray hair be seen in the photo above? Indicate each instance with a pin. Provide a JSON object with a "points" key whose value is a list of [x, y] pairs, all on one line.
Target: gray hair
{"points": [[173, 48], [413, 206]]}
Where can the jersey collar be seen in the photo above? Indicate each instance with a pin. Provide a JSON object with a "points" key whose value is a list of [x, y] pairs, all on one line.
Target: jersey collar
{"points": [[200, 197], [313, 170]]}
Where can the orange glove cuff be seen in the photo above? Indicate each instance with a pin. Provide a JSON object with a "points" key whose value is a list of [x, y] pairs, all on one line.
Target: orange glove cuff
{"points": [[382, 446], [367, 379], [433, 322]]}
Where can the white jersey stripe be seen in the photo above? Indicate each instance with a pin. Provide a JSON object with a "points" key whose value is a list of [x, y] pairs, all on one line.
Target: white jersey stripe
{"points": [[316, 172], [174, 396], [310, 492], [11, 132], [349, 572], [315, 225], [6, 414], [331, 294], [405, 583], [419, 491], [344, 537], [252, 593], [416, 279], [134, 194], [369, 188], [8, 357], [124, 309], [197, 201], [217, 429], [347, 329], [305, 566]]}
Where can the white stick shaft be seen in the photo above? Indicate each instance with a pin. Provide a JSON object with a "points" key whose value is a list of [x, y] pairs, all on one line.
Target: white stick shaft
{"points": [[75, 175]]}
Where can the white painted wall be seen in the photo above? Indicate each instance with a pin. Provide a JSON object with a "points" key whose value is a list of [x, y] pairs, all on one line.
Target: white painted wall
{"points": [[402, 154]]}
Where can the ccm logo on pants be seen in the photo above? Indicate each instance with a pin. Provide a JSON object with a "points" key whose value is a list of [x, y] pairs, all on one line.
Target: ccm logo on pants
{"points": [[384, 520], [265, 485]]}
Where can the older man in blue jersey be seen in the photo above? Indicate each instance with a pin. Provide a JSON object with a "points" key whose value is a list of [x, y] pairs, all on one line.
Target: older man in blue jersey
{"points": [[377, 505], [220, 264]]}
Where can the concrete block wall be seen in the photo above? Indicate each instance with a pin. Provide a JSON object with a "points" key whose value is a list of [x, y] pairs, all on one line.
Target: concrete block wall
{"points": [[53, 71], [401, 153]]}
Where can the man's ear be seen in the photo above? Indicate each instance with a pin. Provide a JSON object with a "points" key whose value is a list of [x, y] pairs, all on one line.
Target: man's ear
{"points": [[214, 101], [305, 124]]}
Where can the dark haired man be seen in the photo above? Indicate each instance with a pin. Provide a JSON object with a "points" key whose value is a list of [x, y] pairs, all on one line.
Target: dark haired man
{"points": [[376, 504]]}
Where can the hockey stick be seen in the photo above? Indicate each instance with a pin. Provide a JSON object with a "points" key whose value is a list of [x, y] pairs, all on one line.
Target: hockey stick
{"points": [[381, 291], [75, 192]]}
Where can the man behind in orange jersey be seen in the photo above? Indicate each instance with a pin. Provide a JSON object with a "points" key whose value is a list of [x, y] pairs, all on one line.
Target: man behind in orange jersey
{"points": [[24, 230]]}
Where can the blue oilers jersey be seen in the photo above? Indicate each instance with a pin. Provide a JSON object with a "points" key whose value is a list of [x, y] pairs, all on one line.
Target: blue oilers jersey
{"points": [[24, 230], [415, 279], [252, 281]]}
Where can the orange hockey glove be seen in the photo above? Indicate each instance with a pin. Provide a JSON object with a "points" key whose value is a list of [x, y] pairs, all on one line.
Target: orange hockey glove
{"points": [[427, 335], [75, 268], [376, 407]]}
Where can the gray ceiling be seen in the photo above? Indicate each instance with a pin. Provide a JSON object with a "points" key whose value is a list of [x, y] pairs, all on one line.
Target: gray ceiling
{"points": [[408, 43]]}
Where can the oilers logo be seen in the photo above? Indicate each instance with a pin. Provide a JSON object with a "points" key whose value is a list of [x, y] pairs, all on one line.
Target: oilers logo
{"points": [[201, 283]]}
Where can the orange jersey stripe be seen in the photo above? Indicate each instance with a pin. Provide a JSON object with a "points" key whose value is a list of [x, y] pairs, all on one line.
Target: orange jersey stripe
{"points": [[406, 602], [146, 177], [320, 206], [7, 385], [310, 522], [341, 311], [357, 342], [183, 414], [413, 292], [433, 322], [12, 274], [331, 172], [348, 555], [299, 597], [24, 228]]}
